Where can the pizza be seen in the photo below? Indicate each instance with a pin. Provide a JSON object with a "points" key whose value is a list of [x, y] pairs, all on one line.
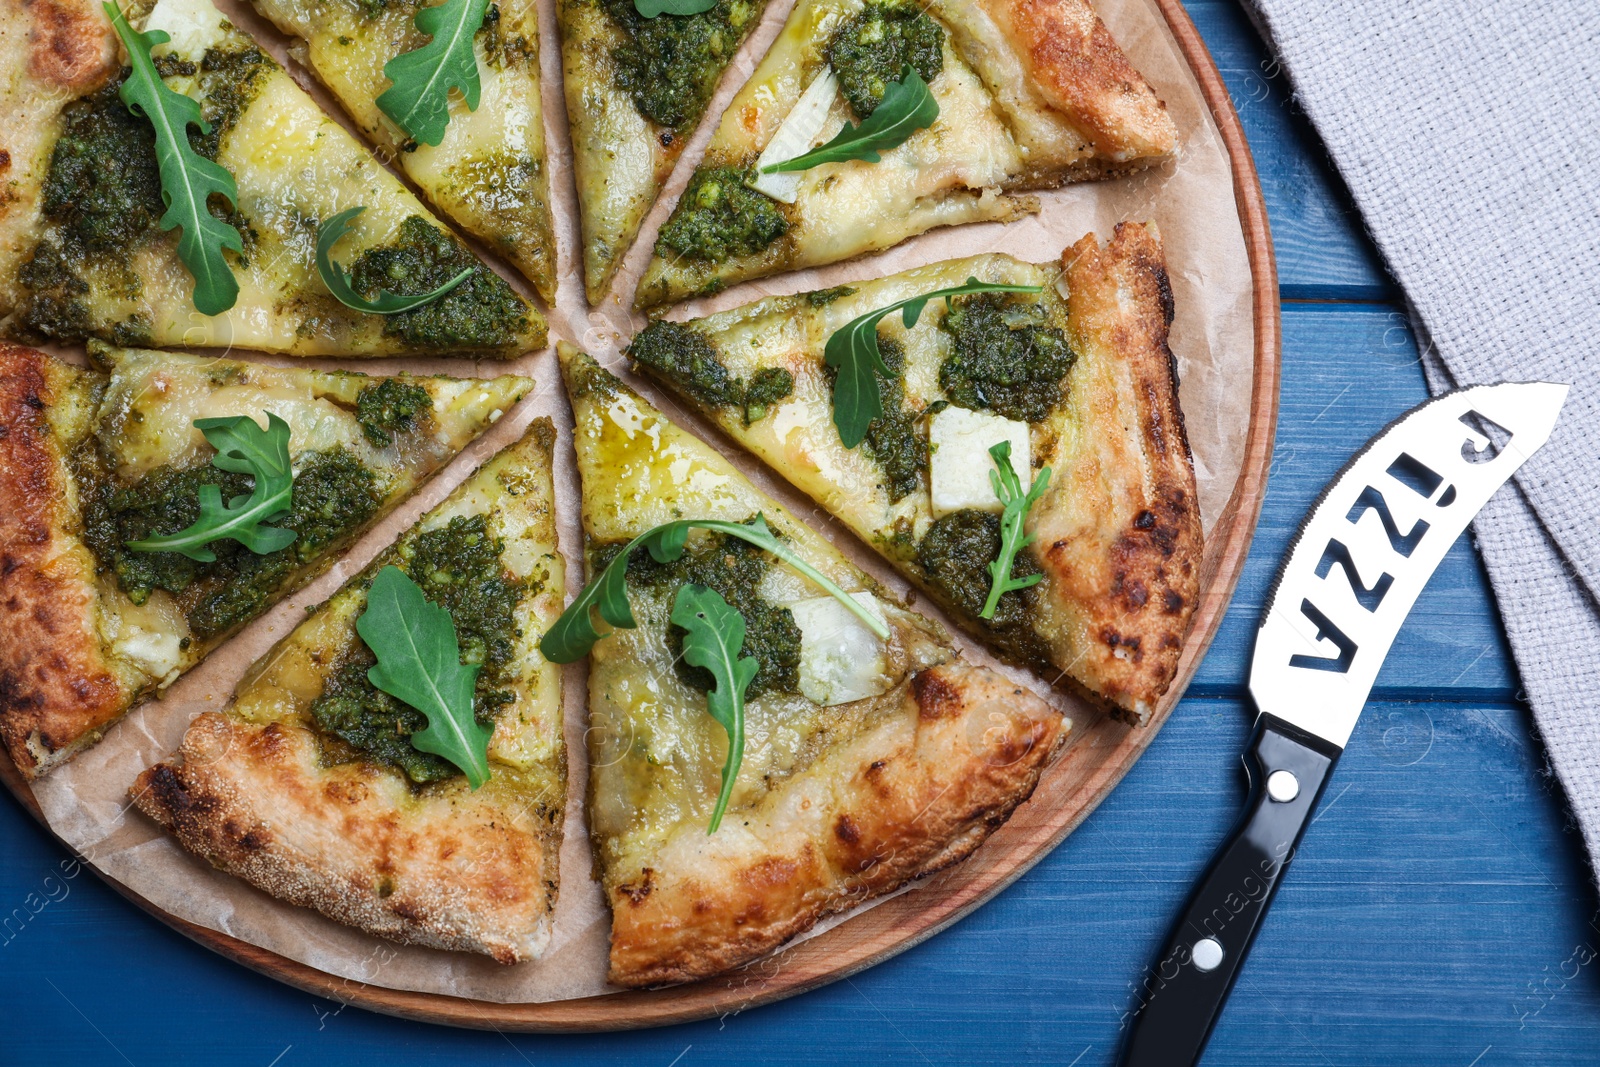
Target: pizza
{"points": [[82, 249], [91, 460], [1077, 377], [636, 88], [866, 762], [487, 170], [309, 787], [1030, 94]]}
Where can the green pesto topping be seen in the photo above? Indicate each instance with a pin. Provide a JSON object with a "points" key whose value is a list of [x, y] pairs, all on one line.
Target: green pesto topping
{"points": [[894, 438], [955, 555], [502, 49], [334, 494], [458, 567], [228, 83], [689, 360], [734, 568], [481, 312], [103, 189], [1006, 355], [389, 407], [720, 217], [824, 297], [872, 48], [670, 64]]}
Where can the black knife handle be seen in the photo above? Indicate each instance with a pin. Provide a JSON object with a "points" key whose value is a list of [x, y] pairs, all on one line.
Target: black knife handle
{"points": [[1180, 998]]}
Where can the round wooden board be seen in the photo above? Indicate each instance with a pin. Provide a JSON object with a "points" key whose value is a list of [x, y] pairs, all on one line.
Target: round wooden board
{"points": [[1101, 754]]}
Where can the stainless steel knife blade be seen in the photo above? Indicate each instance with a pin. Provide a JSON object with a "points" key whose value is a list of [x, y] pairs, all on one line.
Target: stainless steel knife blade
{"points": [[1352, 573], [1370, 544]]}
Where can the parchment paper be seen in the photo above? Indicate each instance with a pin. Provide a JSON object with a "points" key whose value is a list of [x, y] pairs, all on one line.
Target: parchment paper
{"points": [[86, 801]]}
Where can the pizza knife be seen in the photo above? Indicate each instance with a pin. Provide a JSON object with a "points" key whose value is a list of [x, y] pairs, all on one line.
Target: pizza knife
{"points": [[1352, 573]]}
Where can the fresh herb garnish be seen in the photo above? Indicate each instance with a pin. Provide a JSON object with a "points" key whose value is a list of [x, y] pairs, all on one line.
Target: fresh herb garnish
{"points": [[243, 447], [188, 179], [419, 100], [1008, 487], [852, 350], [714, 638], [908, 106], [419, 662], [574, 633], [338, 282], [651, 8]]}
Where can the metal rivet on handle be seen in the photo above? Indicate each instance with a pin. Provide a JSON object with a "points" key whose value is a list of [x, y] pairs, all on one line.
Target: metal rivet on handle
{"points": [[1283, 786], [1207, 954]]}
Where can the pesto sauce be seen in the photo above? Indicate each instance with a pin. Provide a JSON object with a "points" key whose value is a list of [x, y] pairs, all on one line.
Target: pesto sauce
{"points": [[670, 64], [955, 555], [874, 46], [459, 567], [690, 360], [389, 407], [894, 439], [500, 49], [1006, 355], [733, 568], [334, 493], [823, 297], [720, 218], [481, 312]]}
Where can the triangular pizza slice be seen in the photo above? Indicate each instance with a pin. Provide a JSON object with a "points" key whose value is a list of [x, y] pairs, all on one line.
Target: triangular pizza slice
{"points": [[484, 164], [120, 576], [1077, 377], [117, 226], [1030, 94], [867, 754], [316, 786], [636, 87]]}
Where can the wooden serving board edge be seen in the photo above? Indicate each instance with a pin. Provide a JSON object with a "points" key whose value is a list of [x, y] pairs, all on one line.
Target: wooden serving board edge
{"points": [[904, 921]]}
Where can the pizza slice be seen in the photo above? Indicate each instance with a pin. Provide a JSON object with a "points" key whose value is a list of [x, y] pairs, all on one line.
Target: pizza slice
{"points": [[484, 165], [1076, 377], [106, 530], [94, 190], [1029, 94], [867, 754], [321, 789], [636, 87]]}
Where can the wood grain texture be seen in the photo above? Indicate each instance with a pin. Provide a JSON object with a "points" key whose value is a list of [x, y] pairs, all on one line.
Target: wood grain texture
{"points": [[1101, 753]]}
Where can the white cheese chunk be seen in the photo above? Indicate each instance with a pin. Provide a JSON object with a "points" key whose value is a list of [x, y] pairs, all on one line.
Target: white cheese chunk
{"points": [[193, 25], [959, 467], [840, 658], [796, 136]]}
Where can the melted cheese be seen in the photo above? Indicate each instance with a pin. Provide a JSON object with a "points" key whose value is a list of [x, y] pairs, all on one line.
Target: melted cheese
{"points": [[489, 172]]}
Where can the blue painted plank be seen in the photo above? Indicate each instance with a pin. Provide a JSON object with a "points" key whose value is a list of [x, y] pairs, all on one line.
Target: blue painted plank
{"points": [[1348, 371], [1438, 908], [1323, 254]]}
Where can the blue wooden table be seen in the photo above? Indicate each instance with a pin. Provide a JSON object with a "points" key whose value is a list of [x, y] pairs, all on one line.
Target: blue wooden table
{"points": [[1440, 911]]}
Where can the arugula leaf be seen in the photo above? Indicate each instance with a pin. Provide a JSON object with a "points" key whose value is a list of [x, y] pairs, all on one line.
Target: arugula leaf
{"points": [[243, 447], [338, 282], [419, 662], [1008, 487], [651, 8], [188, 179], [574, 633], [419, 100], [908, 106], [852, 350], [714, 638]]}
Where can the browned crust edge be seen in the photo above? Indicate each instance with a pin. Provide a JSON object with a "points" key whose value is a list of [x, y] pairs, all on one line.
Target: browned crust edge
{"points": [[1081, 70], [57, 692], [1136, 586], [450, 873], [901, 802]]}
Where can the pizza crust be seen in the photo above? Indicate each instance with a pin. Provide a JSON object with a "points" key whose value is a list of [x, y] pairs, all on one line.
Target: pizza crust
{"points": [[57, 689], [911, 796], [443, 870], [1119, 533]]}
